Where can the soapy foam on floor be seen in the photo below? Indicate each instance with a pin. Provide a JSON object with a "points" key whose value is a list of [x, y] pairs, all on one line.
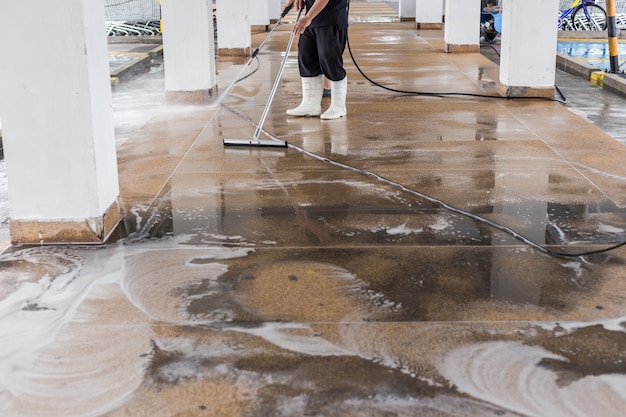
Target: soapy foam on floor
{"points": [[508, 374]]}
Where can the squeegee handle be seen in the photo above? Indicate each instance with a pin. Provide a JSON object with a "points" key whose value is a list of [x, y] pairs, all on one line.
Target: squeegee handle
{"points": [[276, 82]]}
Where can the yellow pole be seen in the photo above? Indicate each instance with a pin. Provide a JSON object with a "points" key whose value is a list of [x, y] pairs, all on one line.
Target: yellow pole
{"points": [[612, 32], [160, 21]]}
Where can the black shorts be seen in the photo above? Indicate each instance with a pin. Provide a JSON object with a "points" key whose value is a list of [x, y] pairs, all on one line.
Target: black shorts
{"points": [[320, 51]]}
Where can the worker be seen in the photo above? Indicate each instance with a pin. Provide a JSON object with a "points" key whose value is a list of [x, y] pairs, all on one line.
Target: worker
{"points": [[323, 34]]}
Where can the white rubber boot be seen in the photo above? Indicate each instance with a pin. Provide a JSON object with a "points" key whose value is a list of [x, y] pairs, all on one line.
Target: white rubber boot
{"points": [[337, 107], [311, 105]]}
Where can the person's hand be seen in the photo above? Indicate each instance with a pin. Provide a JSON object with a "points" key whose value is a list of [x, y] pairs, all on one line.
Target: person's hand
{"points": [[305, 21], [301, 25]]}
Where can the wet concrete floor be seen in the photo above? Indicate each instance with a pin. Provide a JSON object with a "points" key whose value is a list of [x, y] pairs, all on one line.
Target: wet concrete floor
{"points": [[369, 269], [602, 108]]}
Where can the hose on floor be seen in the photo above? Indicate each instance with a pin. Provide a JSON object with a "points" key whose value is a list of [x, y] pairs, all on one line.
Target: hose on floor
{"points": [[556, 87], [436, 201], [444, 94], [406, 92], [431, 94], [416, 193]]}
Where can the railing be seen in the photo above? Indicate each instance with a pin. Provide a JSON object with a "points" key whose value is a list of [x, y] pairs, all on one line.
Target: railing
{"points": [[132, 10], [132, 17], [620, 5]]}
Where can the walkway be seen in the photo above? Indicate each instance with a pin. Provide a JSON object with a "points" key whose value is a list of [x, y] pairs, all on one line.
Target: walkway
{"points": [[327, 278]]}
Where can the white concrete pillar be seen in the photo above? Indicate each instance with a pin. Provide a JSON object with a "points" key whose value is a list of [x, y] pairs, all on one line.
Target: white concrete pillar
{"points": [[276, 8], [407, 10], [233, 28], [528, 45], [462, 28], [188, 48], [57, 122], [259, 15], [428, 14]]}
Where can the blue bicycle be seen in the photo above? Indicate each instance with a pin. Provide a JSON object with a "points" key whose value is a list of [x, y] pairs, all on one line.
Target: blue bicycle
{"points": [[583, 15]]}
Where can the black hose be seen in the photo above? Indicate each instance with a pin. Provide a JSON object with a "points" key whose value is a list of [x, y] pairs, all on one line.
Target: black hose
{"points": [[432, 94], [254, 54], [434, 200]]}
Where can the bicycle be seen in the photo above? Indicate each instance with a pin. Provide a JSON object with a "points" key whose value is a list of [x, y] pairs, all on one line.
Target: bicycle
{"points": [[490, 21], [583, 15]]}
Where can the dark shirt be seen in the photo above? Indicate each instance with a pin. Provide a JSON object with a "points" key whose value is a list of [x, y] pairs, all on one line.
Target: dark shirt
{"points": [[335, 13]]}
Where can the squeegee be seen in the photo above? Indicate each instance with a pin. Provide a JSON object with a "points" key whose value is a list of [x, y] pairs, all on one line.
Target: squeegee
{"points": [[255, 141]]}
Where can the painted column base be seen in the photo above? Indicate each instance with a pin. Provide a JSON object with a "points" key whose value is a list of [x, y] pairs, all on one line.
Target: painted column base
{"points": [[189, 97], [429, 25], [234, 51], [86, 231], [509, 91], [259, 28], [459, 49]]}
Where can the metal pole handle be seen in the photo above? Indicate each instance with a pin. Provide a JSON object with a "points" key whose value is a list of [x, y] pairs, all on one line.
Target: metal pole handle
{"points": [[276, 82], [278, 23]]}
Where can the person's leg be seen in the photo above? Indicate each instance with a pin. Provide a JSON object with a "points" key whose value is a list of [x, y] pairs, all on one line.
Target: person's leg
{"points": [[337, 107], [327, 90], [331, 44], [310, 76]]}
